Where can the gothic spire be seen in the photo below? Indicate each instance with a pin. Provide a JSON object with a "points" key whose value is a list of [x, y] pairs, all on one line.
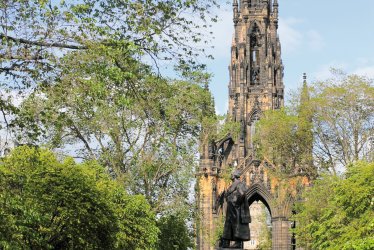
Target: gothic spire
{"points": [[235, 6], [275, 12], [275, 7], [304, 108]]}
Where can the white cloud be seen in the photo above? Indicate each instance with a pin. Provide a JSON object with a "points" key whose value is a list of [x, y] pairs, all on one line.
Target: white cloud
{"points": [[363, 61], [294, 37]]}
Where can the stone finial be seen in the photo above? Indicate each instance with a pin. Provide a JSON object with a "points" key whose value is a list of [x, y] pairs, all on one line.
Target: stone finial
{"points": [[275, 12], [236, 11]]}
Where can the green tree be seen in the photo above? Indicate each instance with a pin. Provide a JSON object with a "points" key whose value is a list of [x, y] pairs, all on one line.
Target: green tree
{"points": [[136, 220], [328, 125], [49, 204], [174, 234], [92, 79], [284, 139], [343, 120], [35, 36], [112, 108], [337, 213]]}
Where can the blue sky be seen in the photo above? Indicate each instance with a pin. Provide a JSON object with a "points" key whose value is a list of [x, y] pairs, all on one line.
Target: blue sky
{"points": [[315, 35]]}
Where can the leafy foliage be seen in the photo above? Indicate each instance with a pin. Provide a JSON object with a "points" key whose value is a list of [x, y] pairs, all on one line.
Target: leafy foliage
{"points": [[38, 37], [113, 109], [285, 140], [338, 213], [35, 34], [343, 120], [48, 204], [88, 76], [328, 126], [174, 233]]}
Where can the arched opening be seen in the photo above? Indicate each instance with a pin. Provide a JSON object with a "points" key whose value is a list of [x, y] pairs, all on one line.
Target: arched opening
{"points": [[261, 225], [223, 149]]}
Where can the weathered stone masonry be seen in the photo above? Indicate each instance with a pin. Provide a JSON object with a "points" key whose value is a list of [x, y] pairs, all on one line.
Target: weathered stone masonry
{"points": [[256, 85]]}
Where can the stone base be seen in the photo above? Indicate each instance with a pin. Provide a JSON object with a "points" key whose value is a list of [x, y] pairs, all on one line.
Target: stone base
{"points": [[220, 248]]}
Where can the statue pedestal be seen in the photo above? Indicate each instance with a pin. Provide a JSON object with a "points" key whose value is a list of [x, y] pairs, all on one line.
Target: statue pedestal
{"points": [[220, 248]]}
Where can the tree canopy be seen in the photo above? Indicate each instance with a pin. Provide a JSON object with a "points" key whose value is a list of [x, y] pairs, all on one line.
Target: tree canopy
{"points": [[174, 233], [328, 126], [51, 204], [86, 78], [284, 137], [35, 34], [39, 38], [338, 213], [110, 108], [92, 80], [343, 120]]}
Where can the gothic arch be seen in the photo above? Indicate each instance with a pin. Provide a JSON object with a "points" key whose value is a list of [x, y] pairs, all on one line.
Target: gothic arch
{"points": [[253, 115], [221, 142], [256, 24], [221, 151], [259, 192]]}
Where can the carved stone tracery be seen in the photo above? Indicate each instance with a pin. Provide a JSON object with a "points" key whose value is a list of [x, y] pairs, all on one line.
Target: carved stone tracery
{"points": [[256, 85]]}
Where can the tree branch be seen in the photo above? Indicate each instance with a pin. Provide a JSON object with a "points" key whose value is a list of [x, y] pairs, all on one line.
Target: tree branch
{"points": [[44, 44]]}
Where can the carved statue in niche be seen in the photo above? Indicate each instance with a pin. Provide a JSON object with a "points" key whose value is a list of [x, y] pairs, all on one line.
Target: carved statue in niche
{"points": [[255, 36], [276, 102], [255, 76], [252, 176], [236, 99], [255, 117]]}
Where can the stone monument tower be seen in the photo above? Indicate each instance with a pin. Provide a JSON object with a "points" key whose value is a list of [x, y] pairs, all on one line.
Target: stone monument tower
{"points": [[256, 70], [256, 85]]}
